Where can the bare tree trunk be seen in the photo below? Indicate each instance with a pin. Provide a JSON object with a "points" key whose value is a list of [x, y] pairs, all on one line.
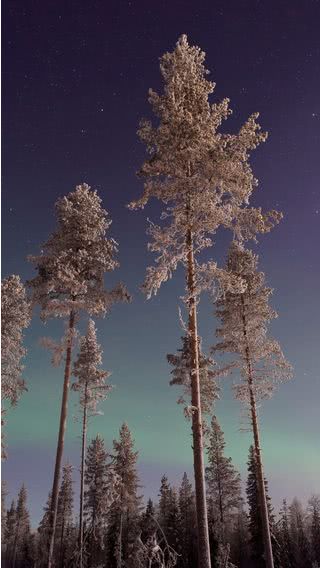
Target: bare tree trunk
{"points": [[197, 432], [60, 445], [83, 456], [257, 450]]}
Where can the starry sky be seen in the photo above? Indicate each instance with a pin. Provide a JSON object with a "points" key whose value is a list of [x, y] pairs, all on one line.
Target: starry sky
{"points": [[75, 81]]}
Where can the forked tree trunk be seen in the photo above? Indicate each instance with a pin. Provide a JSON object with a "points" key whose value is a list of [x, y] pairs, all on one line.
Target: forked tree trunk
{"points": [[60, 445], [204, 560], [83, 457], [257, 451]]}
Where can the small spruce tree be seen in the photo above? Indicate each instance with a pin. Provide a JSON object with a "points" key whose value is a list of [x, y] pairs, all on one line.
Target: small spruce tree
{"points": [[187, 538], [64, 516], [223, 481], [97, 500], [124, 518]]}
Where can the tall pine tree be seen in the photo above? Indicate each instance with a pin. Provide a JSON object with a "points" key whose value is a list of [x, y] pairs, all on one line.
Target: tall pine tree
{"points": [[244, 324], [70, 278], [124, 518], [204, 179]]}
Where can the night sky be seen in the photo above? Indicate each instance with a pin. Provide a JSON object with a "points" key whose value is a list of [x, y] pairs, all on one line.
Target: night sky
{"points": [[75, 81]]}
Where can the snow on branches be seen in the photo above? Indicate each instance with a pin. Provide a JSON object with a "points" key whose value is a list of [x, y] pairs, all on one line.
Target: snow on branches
{"points": [[202, 175], [244, 329], [15, 316], [181, 363], [74, 259], [91, 380]]}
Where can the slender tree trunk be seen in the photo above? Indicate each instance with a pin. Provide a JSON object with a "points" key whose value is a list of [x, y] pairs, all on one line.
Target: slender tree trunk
{"points": [[197, 432], [257, 450], [83, 457], [60, 445]]}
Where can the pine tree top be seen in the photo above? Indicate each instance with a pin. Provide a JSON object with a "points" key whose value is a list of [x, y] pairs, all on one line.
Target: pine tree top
{"points": [[202, 176], [91, 380], [244, 317], [75, 258]]}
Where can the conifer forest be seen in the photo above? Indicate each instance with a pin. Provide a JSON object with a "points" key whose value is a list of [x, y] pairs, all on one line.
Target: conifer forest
{"points": [[157, 391]]}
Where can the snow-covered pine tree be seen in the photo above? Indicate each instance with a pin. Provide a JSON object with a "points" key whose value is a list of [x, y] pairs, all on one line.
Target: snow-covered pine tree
{"points": [[204, 179], [314, 519], [22, 528], [97, 500], [301, 544], [255, 518], [182, 363], [15, 317], [71, 269], [187, 537], [124, 518], [244, 331], [64, 523], [223, 482], [91, 385]]}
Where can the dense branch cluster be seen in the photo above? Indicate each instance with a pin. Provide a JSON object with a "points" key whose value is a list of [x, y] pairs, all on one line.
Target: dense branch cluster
{"points": [[15, 317], [244, 329], [202, 176]]}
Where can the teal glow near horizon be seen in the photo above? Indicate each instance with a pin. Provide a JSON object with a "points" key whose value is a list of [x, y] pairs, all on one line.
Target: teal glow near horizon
{"points": [[77, 80]]}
